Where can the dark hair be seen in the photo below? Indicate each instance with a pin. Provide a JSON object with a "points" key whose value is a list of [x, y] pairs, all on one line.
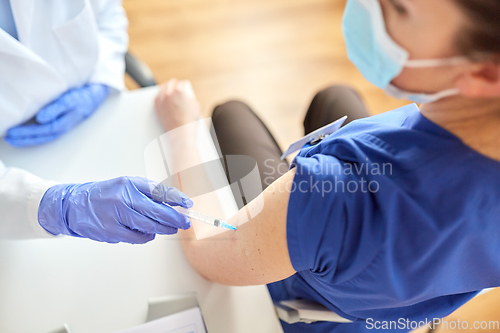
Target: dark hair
{"points": [[482, 35]]}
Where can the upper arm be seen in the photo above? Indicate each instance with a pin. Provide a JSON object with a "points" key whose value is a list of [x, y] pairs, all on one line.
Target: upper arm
{"points": [[256, 253]]}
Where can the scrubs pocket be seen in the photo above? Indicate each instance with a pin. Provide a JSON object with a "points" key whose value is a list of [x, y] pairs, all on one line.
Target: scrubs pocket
{"points": [[79, 39]]}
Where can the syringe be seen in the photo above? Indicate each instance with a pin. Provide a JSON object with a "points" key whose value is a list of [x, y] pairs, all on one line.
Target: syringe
{"points": [[192, 214]]}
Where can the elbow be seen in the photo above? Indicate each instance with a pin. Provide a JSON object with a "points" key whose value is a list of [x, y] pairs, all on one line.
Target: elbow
{"points": [[196, 260], [206, 270], [215, 279]]}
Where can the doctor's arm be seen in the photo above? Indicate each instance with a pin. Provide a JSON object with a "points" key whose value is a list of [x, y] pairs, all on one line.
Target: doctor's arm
{"points": [[77, 104], [20, 195], [123, 209], [117, 210]]}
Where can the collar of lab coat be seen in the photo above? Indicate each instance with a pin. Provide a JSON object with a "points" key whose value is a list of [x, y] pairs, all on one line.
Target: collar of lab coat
{"points": [[22, 11], [11, 46]]}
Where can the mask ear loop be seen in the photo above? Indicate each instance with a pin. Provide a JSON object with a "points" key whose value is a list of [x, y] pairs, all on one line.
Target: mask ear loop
{"points": [[429, 63], [426, 63], [419, 98]]}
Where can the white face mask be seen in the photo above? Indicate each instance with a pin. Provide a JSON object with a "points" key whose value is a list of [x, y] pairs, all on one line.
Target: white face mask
{"points": [[378, 57]]}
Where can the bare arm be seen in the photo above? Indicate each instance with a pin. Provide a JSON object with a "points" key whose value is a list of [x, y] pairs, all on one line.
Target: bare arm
{"points": [[257, 253]]}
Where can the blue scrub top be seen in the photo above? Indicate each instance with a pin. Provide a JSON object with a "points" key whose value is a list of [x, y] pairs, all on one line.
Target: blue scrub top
{"points": [[391, 217]]}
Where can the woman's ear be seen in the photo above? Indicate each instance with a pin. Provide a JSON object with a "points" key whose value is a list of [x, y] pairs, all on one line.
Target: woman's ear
{"points": [[481, 80]]}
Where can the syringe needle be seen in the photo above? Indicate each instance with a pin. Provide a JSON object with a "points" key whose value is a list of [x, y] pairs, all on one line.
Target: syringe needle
{"points": [[192, 214]]}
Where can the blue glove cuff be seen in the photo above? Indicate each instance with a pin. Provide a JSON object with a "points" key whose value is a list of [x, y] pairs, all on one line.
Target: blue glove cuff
{"points": [[95, 94], [51, 215]]}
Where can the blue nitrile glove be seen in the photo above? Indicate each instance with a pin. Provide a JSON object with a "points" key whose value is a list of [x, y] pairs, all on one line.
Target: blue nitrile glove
{"points": [[117, 210], [59, 117]]}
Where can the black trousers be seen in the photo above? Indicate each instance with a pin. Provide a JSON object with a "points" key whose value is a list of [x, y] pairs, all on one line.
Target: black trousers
{"points": [[240, 132]]}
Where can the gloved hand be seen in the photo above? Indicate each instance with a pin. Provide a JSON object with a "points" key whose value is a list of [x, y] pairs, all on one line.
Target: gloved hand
{"points": [[124, 209], [59, 117]]}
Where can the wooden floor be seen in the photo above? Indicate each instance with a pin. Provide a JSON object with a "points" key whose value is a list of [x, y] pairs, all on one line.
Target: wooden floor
{"points": [[273, 54]]}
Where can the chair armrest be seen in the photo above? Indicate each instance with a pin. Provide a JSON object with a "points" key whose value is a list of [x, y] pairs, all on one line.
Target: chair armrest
{"points": [[139, 71]]}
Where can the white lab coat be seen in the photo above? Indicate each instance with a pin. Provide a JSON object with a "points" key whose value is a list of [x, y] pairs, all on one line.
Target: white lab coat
{"points": [[62, 45]]}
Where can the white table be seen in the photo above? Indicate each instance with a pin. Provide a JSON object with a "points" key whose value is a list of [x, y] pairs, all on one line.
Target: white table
{"points": [[96, 287]]}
